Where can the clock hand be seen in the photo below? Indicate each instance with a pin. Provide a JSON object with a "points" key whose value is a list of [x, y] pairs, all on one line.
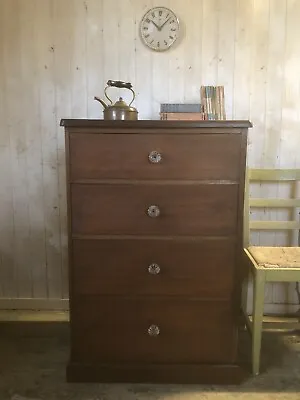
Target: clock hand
{"points": [[155, 24], [160, 28]]}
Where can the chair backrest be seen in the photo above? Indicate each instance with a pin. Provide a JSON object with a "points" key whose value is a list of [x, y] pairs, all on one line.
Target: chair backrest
{"points": [[265, 176]]}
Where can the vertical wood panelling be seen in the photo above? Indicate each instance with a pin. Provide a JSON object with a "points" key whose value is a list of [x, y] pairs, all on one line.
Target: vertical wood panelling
{"points": [[94, 56], [55, 56], [210, 35], [289, 141], [45, 48], [63, 69], [226, 50], [111, 45], [143, 66], [20, 268], [6, 201], [274, 95], [161, 79], [177, 63], [32, 148], [193, 60], [126, 35], [242, 61], [78, 15], [259, 67]]}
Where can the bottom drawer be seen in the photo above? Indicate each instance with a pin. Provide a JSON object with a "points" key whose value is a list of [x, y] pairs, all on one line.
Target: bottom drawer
{"points": [[108, 329]]}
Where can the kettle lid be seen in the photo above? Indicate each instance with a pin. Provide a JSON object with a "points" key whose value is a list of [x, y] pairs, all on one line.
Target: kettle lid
{"points": [[122, 104]]}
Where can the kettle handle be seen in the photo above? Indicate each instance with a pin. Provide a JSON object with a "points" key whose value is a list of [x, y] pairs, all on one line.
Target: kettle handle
{"points": [[120, 85]]}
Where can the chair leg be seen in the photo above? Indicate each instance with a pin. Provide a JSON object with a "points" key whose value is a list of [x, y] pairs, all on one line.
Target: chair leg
{"points": [[258, 310], [245, 294]]}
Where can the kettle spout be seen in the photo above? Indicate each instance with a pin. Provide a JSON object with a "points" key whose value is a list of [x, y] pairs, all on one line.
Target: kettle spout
{"points": [[101, 101]]}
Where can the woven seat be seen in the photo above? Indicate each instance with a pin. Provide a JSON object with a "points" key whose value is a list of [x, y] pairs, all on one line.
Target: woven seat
{"points": [[276, 257]]}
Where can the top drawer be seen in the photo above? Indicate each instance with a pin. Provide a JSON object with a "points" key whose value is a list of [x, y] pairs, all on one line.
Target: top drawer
{"points": [[146, 156]]}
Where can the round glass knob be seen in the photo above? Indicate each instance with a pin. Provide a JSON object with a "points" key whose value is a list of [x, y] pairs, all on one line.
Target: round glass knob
{"points": [[154, 269], [153, 211], [153, 330], [155, 157]]}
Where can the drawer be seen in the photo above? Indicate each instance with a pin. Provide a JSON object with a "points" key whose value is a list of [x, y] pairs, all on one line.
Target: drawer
{"points": [[126, 156], [154, 267], [108, 329], [204, 209]]}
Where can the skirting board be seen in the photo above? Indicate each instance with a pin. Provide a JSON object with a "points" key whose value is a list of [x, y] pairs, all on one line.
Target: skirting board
{"points": [[63, 305], [34, 304]]}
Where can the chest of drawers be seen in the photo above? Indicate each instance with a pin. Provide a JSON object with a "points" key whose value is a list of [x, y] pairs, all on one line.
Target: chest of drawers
{"points": [[155, 240]]}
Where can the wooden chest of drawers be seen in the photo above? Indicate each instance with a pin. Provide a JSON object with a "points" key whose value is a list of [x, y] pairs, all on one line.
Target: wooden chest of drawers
{"points": [[155, 240]]}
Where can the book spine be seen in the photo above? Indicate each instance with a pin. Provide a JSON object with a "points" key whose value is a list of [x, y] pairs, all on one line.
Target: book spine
{"points": [[182, 116]]}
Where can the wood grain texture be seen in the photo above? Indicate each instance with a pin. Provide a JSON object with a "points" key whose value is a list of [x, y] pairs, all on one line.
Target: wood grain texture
{"points": [[187, 311], [183, 157], [49, 146], [226, 52], [63, 40], [33, 140], [116, 331], [56, 55], [187, 267], [17, 268], [174, 126], [184, 210]]}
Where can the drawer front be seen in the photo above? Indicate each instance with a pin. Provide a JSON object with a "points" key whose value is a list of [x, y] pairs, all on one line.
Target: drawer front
{"points": [[107, 329], [154, 267], [206, 209], [133, 156]]}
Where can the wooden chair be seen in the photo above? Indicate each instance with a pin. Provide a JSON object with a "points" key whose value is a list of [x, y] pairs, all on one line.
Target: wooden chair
{"points": [[269, 264]]}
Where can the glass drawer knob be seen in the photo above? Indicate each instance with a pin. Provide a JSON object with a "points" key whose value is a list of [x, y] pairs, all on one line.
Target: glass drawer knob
{"points": [[153, 330], [154, 269], [153, 211], [155, 157]]}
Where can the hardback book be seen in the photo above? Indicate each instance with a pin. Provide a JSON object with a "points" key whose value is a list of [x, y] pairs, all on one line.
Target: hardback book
{"points": [[180, 108], [182, 116]]}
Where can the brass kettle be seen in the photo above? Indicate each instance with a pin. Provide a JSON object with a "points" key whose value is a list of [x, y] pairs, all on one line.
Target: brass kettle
{"points": [[120, 110]]}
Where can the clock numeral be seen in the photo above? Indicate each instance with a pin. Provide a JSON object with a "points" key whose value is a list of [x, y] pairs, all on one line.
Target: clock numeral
{"points": [[173, 29], [158, 44], [148, 20], [146, 36], [171, 37], [167, 16], [152, 41], [171, 22], [153, 15], [145, 28], [165, 42], [160, 13]]}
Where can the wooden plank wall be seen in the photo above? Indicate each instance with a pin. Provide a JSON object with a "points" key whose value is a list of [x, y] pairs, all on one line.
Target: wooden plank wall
{"points": [[56, 55]]}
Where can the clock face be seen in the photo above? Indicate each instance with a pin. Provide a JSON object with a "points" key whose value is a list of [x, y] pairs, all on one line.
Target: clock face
{"points": [[159, 28]]}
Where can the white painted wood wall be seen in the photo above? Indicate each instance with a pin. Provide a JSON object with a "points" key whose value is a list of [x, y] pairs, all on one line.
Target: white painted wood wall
{"points": [[55, 55]]}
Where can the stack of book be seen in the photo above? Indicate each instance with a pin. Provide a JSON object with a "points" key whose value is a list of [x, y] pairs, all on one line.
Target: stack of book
{"points": [[183, 112], [211, 107], [213, 103]]}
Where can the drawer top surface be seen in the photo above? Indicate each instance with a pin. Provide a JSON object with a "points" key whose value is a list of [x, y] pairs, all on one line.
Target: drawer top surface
{"points": [[152, 124]]}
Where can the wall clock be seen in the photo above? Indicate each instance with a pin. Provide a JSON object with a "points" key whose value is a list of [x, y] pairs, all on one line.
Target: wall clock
{"points": [[159, 28]]}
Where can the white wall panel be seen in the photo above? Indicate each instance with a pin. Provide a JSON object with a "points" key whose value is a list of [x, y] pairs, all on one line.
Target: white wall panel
{"points": [[55, 56]]}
